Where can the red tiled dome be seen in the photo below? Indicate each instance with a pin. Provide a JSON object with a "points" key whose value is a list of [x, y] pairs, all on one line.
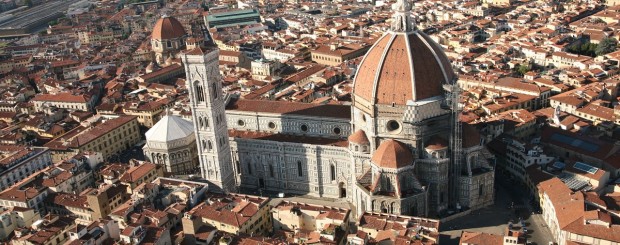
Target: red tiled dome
{"points": [[436, 143], [392, 154], [359, 137], [402, 66], [167, 28]]}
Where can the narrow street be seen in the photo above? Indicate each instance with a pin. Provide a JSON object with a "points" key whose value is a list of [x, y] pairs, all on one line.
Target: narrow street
{"points": [[511, 203]]}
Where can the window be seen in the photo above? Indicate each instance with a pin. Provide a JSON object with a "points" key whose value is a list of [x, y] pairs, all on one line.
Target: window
{"points": [[304, 128], [209, 145], [332, 171], [337, 130], [249, 169], [214, 91], [271, 170], [241, 123], [199, 96], [392, 126], [299, 169], [271, 125]]}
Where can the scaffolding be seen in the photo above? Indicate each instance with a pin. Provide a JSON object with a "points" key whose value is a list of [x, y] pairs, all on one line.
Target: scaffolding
{"points": [[456, 142]]}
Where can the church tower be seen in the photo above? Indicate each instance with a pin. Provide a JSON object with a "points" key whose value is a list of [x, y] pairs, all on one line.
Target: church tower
{"points": [[207, 104]]}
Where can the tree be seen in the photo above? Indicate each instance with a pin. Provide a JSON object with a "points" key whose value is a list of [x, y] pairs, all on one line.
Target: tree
{"points": [[606, 46], [28, 3], [522, 69], [588, 49]]}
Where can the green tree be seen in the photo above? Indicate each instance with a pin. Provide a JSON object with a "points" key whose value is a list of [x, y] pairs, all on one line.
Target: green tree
{"points": [[588, 49], [606, 46], [522, 69]]}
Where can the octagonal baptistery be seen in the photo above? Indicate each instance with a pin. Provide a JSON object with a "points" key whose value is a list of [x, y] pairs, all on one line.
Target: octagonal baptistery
{"points": [[400, 80], [171, 142]]}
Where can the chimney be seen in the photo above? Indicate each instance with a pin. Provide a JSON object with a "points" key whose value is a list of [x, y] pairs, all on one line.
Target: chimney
{"points": [[333, 46]]}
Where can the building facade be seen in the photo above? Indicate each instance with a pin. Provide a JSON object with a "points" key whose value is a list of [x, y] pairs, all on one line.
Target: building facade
{"points": [[393, 150]]}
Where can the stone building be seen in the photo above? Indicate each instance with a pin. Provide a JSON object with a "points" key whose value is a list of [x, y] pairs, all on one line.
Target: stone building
{"points": [[395, 149], [167, 39], [171, 142]]}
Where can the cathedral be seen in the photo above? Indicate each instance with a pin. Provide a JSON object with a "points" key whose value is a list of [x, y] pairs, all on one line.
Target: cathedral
{"points": [[397, 148]]}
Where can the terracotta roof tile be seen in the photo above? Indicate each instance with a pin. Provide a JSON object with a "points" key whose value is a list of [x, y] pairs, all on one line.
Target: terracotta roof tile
{"points": [[167, 28], [392, 154], [359, 137]]}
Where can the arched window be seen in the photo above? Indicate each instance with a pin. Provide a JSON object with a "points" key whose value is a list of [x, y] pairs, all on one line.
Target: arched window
{"points": [[199, 96], [300, 172], [332, 171], [201, 122], [206, 122], [204, 144], [249, 169], [169, 44], [209, 145]]}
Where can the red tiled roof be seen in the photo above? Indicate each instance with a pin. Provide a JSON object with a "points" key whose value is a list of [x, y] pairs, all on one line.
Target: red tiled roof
{"points": [[293, 108], [392, 154], [63, 97]]}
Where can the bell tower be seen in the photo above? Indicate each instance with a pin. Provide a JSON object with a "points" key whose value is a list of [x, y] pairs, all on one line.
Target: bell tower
{"points": [[207, 106]]}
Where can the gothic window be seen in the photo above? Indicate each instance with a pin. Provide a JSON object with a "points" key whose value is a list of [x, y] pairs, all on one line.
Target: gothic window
{"points": [[169, 44], [199, 92], [204, 144], [299, 169], [209, 145], [332, 171], [206, 122], [481, 190], [201, 122], [249, 169], [238, 167]]}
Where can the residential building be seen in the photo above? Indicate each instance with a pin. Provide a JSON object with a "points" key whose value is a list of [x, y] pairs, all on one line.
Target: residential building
{"points": [[107, 136], [231, 213]]}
